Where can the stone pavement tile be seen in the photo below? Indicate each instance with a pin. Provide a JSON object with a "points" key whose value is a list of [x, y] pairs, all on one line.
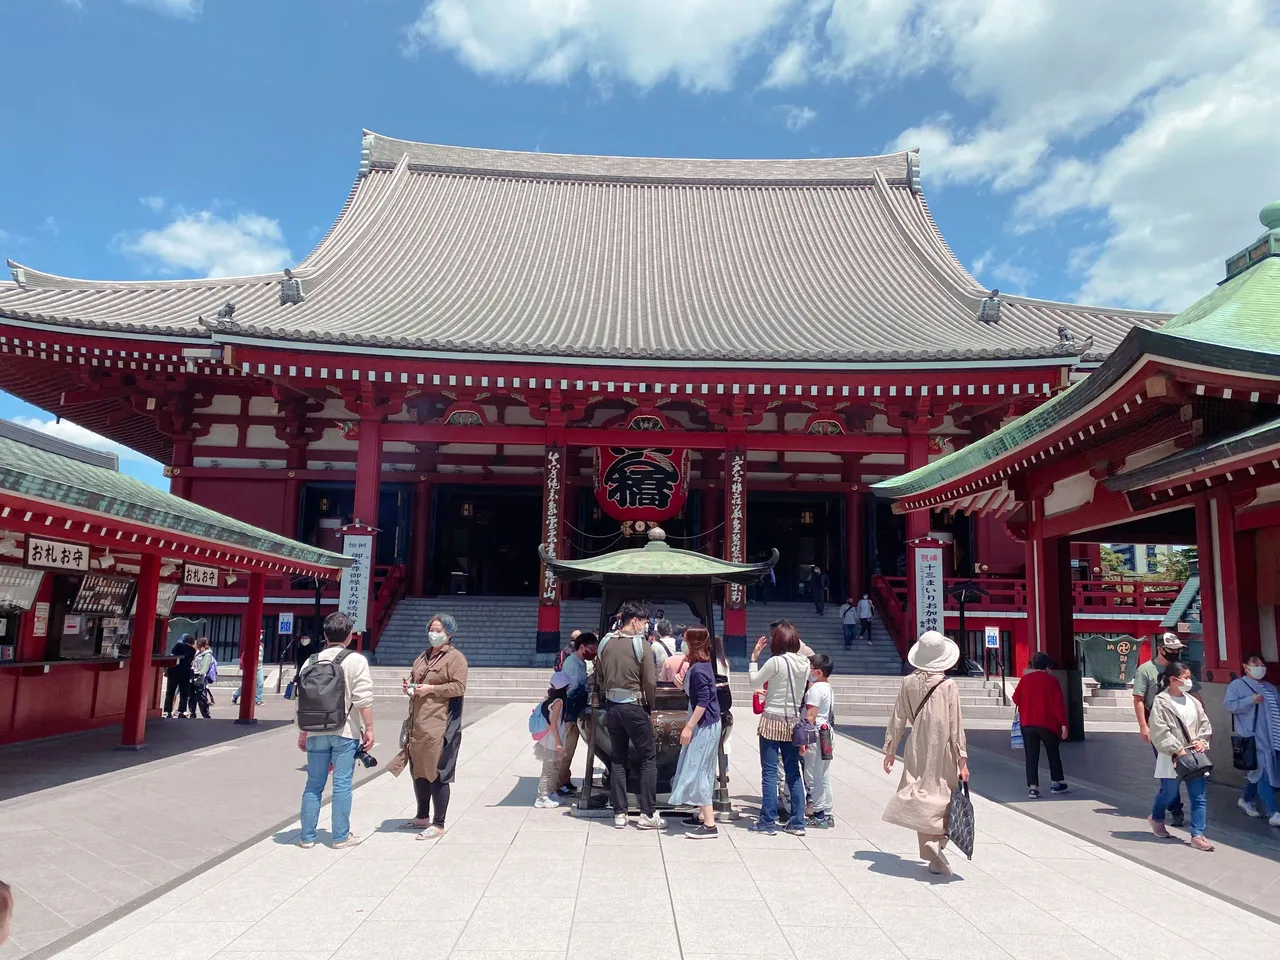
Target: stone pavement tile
{"points": [[529, 878], [615, 899], [602, 833], [893, 916], [796, 865], [834, 850], [1039, 946], [455, 904], [729, 928], [813, 942], [188, 940], [715, 881], [461, 863], [507, 955], [297, 925], [509, 923], [243, 900], [827, 896], [422, 939], [678, 850], [547, 845], [924, 940], [645, 862], [268, 955], [654, 939], [359, 875], [558, 820]]}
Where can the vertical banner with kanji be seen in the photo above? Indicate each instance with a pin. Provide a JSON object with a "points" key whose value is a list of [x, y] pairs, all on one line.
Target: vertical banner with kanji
{"points": [[928, 588], [353, 593], [735, 520], [553, 483]]}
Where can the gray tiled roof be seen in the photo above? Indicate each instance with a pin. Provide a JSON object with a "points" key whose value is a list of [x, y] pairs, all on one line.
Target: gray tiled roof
{"points": [[450, 249]]}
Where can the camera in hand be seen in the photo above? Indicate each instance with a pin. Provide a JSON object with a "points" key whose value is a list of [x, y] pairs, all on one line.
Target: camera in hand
{"points": [[368, 759]]}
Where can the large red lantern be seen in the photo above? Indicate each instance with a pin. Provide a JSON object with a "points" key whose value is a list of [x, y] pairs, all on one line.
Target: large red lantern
{"points": [[642, 483]]}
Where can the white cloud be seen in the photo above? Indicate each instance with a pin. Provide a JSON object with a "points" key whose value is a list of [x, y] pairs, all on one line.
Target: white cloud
{"points": [[152, 202], [74, 4], [74, 433], [699, 43], [182, 9], [797, 118], [50, 225], [790, 67], [205, 243]]}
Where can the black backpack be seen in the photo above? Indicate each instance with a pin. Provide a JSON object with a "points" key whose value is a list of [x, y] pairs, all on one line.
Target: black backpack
{"points": [[322, 695]]}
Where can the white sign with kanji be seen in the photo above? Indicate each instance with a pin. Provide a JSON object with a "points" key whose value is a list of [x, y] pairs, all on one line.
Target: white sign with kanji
{"points": [[353, 593], [194, 575], [56, 555], [928, 589], [992, 635], [285, 627]]}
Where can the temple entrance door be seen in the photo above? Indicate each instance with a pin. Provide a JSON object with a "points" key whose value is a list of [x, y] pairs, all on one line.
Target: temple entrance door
{"points": [[807, 529], [486, 540], [888, 536]]}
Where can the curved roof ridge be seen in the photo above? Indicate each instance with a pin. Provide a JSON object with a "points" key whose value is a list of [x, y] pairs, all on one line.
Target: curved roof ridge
{"points": [[384, 150], [40, 279], [1086, 307]]}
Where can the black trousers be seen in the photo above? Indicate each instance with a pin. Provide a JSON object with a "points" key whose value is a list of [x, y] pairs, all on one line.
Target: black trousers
{"points": [[1032, 738], [431, 793], [631, 729], [199, 699], [179, 685], [866, 629]]}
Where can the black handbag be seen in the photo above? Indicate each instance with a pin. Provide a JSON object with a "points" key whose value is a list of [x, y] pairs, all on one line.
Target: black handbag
{"points": [[960, 819], [1191, 764], [1244, 750]]}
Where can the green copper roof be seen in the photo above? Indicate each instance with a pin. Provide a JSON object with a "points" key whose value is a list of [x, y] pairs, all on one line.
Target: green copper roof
{"points": [[1181, 610], [656, 560], [33, 472], [1258, 437], [1236, 327]]}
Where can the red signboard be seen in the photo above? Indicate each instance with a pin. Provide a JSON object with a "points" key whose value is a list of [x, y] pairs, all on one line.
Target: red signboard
{"points": [[642, 483]]}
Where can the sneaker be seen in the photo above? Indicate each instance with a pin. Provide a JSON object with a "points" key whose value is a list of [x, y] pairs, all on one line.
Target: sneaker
{"points": [[820, 822], [1200, 843], [306, 844], [1033, 793], [1250, 809], [1158, 828], [692, 820], [1274, 820], [654, 822], [1059, 788], [768, 829], [620, 821], [546, 803], [1178, 819], [351, 841], [794, 831], [703, 832], [568, 790]]}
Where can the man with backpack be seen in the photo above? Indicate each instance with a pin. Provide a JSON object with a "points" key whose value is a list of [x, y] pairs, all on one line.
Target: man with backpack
{"points": [[335, 720], [626, 674]]}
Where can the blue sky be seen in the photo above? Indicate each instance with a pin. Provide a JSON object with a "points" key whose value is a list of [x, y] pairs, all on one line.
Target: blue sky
{"points": [[1083, 151]]}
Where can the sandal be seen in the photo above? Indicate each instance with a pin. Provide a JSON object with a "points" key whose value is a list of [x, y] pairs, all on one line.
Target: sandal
{"points": [[1200, 843], [414, 825], [431, 833]]}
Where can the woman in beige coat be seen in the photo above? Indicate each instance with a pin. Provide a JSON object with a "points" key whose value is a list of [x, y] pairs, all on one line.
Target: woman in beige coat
{"points": [[436, 686], [936, 757]]}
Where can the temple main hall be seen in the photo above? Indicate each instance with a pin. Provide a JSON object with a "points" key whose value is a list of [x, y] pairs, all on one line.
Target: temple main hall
{"points": [[490, 350]]}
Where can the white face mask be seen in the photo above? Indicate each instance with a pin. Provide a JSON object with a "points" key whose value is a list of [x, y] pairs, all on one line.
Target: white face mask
{"points": [[1184, 686], [437, 639], [1257, 672]]}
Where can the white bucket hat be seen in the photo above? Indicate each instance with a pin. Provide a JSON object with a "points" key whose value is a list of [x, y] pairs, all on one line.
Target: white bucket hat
{"points": [[933, 652]]}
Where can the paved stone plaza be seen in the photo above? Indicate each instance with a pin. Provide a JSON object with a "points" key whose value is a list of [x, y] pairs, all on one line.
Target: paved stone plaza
{"points": [[508, 881]]}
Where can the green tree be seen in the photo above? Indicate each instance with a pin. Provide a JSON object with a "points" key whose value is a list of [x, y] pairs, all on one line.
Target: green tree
{"points": [[1176, 564], [1113, 565]]}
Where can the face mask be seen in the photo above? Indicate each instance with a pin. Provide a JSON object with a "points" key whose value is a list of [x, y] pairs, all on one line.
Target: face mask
{"points": [[1170, 655], [814, 678], [1257, 672], [437, 639]]}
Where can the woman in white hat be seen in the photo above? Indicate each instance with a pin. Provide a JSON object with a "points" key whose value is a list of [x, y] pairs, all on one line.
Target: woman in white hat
{"points": [[936, 757]]}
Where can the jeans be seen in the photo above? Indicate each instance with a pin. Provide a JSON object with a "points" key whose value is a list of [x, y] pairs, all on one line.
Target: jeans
{"points": [[849, 630], [769, 752], [323, 750], [630, 727], [1032, 738], [1196, 791], [1176, 806], [1263, 792]]}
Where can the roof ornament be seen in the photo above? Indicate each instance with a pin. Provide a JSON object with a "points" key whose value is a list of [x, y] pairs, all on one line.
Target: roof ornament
{"points": [[1064, 336], [913, 170], [989, 308], [290, 288], [19, 276], [227, 311], [366, 154]]}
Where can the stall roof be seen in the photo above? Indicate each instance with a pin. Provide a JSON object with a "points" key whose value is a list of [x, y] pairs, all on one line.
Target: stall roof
{"points": [[36, 474], [656, 560]]}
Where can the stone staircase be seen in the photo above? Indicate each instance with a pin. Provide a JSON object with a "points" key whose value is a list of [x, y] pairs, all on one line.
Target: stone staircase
{"points": [[499, 632]]}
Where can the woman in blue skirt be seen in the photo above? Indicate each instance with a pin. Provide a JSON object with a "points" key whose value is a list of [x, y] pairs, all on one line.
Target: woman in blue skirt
{"points": [[695, 778]]}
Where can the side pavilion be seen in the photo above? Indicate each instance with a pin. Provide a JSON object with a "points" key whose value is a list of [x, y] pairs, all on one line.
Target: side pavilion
{"points": [[1174, 439], [90, 563]]}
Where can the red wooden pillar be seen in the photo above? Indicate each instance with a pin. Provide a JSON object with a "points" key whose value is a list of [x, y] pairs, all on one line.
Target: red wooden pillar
{"points": [[137, 692], [1230, 590], [918, 521], [1050, 614], [250, 630], [553, 483], [854, 551], [179, 482], [1210, 594], [735, 549], [368, 471], [420, 542]]}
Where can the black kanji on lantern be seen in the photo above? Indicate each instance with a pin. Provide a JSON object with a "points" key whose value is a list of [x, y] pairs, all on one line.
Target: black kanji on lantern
{"points": [[641, 478]]}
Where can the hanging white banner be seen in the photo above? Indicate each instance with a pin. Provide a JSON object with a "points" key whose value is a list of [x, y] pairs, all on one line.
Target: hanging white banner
{"points": [[928, 589], [353, 594]]}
